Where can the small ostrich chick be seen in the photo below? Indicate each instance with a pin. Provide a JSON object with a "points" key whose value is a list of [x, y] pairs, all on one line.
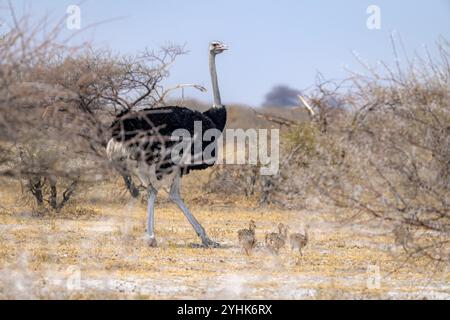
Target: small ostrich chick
{"points": [[247, 237], [299, 240], [276, 240]]}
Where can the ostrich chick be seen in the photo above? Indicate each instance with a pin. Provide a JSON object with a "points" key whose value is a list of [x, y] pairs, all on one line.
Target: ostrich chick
{"points": [[299, 240], [276, 240], [247, 237]]}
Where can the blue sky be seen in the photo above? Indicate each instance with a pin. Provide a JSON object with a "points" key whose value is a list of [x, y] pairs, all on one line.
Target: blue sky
{"points": [[271, 42]]}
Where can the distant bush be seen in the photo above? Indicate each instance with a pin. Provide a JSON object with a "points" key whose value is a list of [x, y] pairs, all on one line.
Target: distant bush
{"points": [[281, 96], [397, 154]]}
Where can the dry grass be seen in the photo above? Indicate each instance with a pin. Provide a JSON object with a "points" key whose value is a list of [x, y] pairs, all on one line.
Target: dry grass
{"points": [[42, 257]]}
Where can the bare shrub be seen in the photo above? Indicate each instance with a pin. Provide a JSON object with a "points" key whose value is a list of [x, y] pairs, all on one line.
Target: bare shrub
{"points": [[397, 154], [57, 103], [307, 143]]}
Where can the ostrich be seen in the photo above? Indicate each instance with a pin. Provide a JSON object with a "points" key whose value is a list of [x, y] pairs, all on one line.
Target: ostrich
{"points": [[141, 144], [276, 240], [299, 240], [247, 237]]}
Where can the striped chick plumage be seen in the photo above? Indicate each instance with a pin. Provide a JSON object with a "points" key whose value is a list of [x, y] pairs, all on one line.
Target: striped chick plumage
{"points": [[247, 238], [277, 240], [299, 240]]}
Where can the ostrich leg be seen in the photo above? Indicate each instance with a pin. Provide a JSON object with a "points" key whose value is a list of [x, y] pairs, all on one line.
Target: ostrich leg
{"points": [[176, 198], [151, 216]]}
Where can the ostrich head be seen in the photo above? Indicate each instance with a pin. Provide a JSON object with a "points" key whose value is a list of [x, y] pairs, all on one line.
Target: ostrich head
{"points": [[252, 225], [216, 47]]}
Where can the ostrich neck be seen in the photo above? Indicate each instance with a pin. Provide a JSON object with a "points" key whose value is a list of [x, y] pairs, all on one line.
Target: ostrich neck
{"points": [[214, 81]]}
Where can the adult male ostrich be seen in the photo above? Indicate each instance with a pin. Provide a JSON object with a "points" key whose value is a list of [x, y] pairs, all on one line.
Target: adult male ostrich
{"points": [[141, 143]]}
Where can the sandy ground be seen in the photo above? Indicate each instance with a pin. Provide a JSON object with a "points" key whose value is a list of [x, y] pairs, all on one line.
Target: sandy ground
{"points": [[96, 249]]}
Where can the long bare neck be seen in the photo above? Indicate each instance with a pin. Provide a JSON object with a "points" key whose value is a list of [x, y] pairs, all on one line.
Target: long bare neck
{"points": [[214, 81]]}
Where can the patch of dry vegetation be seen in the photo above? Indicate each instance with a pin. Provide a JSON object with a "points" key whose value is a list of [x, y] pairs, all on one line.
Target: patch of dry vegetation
{"points": [[41, 257]]}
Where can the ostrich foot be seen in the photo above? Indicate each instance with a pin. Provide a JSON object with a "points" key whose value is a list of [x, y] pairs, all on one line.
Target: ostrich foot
{"points": [[151, 241]]}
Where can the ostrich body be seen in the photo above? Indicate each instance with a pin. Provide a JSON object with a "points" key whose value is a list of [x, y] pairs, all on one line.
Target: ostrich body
{"points": [[247, 237], [141, 143], [299, 240], [276, 240]]}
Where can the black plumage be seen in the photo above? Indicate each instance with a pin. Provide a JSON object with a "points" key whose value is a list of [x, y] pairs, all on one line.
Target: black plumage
{"points": [[149, 133]]}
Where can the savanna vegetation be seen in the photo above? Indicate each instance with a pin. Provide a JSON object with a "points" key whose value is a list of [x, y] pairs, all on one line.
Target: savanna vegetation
{"points": [[367, 168]]}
